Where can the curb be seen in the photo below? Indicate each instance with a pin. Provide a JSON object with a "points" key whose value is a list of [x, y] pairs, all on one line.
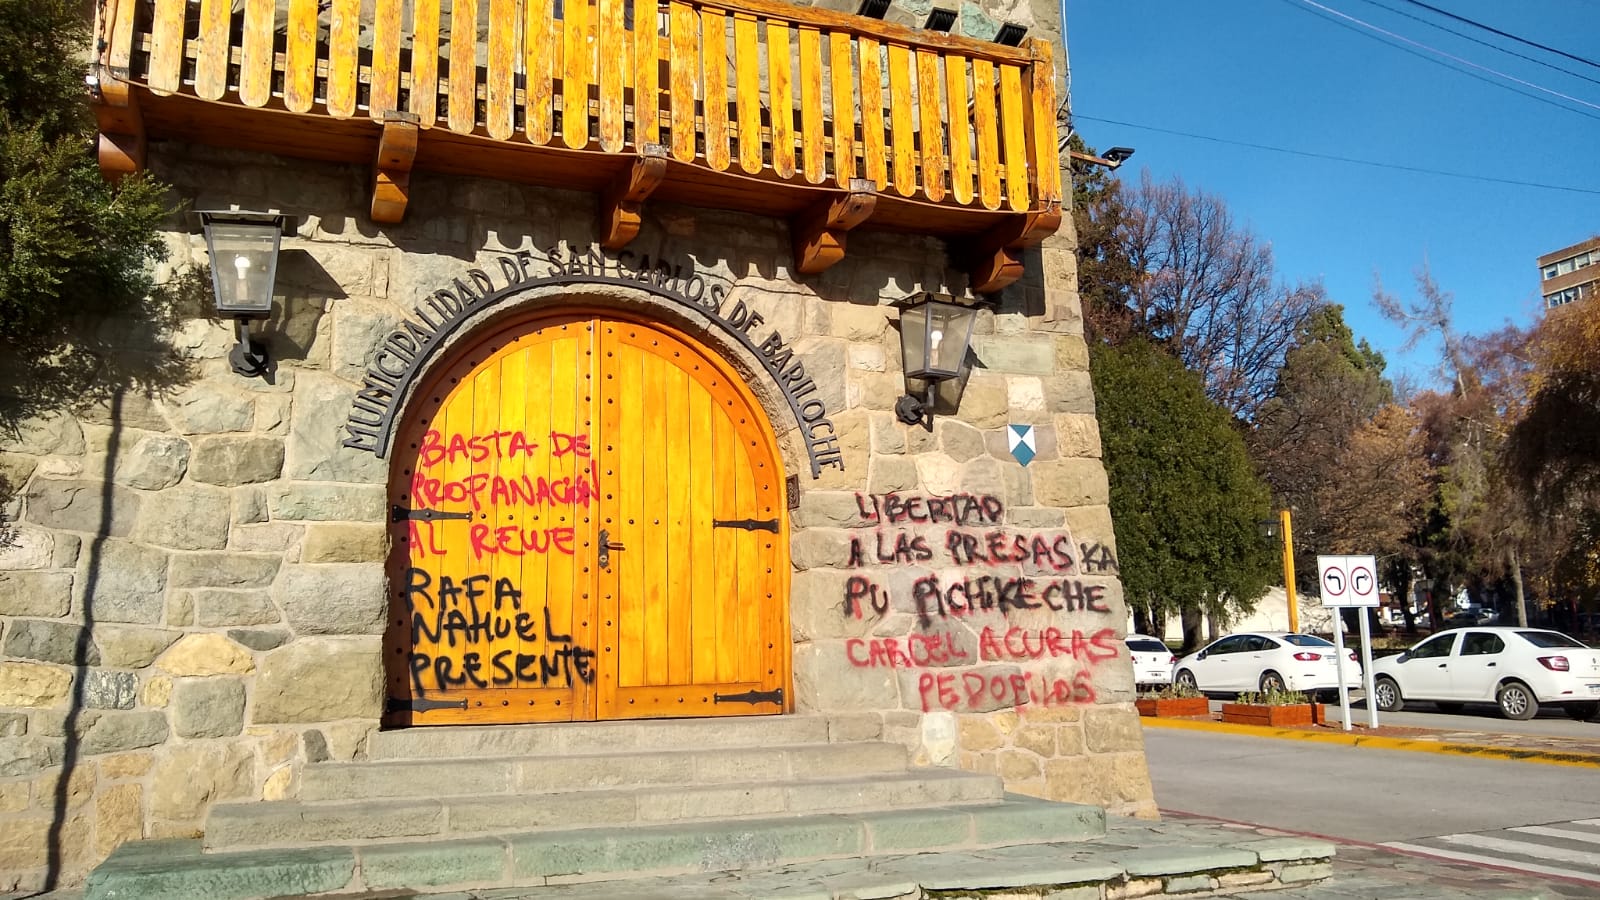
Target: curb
{"points": [[1485, 751]]}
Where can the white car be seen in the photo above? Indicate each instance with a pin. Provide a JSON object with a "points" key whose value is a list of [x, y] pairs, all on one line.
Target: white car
{"points": [[1516, 668], [1266, 660], [1152, 661]]}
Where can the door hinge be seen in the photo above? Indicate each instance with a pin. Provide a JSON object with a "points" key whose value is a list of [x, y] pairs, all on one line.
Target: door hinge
{"points": [[752, 697], [423, 704], [402, 514], [747, 524]]}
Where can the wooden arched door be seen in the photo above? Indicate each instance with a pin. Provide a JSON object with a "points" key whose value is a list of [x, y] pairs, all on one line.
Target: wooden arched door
{"points": [[588, 522]]}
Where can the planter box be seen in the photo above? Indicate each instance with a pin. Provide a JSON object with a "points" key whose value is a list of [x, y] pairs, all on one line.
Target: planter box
{"points": [[1173, 706], [1252, 714]]}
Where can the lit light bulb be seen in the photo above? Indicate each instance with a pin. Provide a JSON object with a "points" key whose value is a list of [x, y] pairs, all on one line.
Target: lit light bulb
{"points": [[241, 264], [934, 337]]}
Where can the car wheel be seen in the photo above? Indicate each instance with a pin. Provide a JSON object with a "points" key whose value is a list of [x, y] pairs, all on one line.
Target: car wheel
{"points": [[1185, 679], [1447, 707], [1272, 681], [1387, 695], [1583, 710], [1517, 701]]}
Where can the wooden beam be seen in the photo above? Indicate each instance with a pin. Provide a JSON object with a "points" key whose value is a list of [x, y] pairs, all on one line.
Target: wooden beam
{"points": [[391, 172], [622, 200], [996, 258], [819, 232], [121, 125]]}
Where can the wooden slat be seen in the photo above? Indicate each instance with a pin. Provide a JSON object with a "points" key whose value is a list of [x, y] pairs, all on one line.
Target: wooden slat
{"points": [[631, 449], [902, 138], [811, 142], [344, 32], [578, 74], [780, 93], [829, 20], [300, 56], [724, 449], [1046, 152], [874, 157], [747, 69], [121, 50], [211, 67], [700, 460], [678, 512], [714, 56], [646, 74], [1014, 140], [500, 110], [463, 113], [931, 125], [255, 57], [385, 93], [166, 46], [425, 61], [538, 41], [685, 73], [983, 118], [657, 549], [613, 57], [955, 91], [842, 75]]}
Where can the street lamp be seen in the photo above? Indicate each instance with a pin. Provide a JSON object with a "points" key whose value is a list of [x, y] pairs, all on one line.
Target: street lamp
{"points": [[934, 335], [1285, 527], [244, 263]]}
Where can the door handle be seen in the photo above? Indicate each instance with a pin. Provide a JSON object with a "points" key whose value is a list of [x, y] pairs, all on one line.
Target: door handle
{"points": [[1489, 665], [605, 550]]}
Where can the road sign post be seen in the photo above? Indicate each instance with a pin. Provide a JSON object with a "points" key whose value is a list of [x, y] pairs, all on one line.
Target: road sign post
{"points": [[1350, 581]]}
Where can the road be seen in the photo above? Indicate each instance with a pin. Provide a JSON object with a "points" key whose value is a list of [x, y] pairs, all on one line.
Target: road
{"points": [[1551, 721], [1456, 807]]}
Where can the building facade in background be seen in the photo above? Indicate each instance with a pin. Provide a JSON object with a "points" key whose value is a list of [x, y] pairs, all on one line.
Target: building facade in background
{"points": [[1571, 273]]}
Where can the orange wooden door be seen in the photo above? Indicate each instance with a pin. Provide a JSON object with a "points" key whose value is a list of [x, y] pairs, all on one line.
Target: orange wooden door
{"points": [[558, 553]]}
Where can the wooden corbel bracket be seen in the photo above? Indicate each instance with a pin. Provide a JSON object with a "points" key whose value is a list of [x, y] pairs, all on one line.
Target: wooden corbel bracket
{"points": [[391, 171], [121, 125], [996, 257], [819, 232], [623, 200]]}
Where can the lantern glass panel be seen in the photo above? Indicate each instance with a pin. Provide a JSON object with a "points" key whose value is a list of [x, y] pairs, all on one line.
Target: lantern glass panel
{"points": [[244, 263], [949, 332], [914, 340]]}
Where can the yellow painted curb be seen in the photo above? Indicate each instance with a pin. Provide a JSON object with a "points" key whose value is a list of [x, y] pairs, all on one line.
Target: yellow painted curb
{"points": [[1348, 739]]}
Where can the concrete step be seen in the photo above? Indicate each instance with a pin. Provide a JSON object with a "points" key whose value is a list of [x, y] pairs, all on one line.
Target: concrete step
{"points": [[486, 776], [178, 870], [558, 738], [295, 823]]}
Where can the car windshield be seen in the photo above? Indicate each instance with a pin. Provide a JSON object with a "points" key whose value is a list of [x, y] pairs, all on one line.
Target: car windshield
{"points": [[1147, 646], [1549, 639], [1306, 640]]}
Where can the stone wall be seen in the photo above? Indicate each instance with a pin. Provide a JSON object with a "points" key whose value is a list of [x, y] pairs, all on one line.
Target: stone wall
{"points": [[194, 607]]}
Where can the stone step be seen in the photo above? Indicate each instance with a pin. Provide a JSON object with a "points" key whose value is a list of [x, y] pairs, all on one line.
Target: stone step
{"points": [[558, 738], [455, 777], [178, 870], [296, 823]]}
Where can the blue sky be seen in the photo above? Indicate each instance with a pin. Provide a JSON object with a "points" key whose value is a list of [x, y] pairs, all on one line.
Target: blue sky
{"points": [[1279, 73]]}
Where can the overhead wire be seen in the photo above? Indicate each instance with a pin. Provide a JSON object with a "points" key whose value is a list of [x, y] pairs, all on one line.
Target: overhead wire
{"points": [[1480, 41], [1505, 34], [1344, 159]]}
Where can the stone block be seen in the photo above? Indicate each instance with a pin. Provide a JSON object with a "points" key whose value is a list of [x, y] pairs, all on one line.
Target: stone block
{"points": [[938, 474], [186, 519], [229, 876], [266, 537], [1305, 872], [1072, 353], [358, 331], [693, 846], [50, 433], [46, 594], [334, 598], [255, 824], [1025, 394], [1070, 482], [119, 816], [30, 548], [1069, 392], [116, 732], [207, 707], [33, 685], [126, 765], [815, 548], [211, 408], [189, 777], [127, 584], [345, 542], [202, 654], [90, 506], [1078, 435], [309, 501], [133, 647], [959, 440], [13, 724], [984, 401], [26, 755], [155, 463], [106, 689], [235, 460], [315, 451], [224, 570], [823, 673], [259, 638], [1116, 780], [893, 473], [905, 831], [1280, 849], [471, 861], [835, 509], [318, 679], [215, 608]]}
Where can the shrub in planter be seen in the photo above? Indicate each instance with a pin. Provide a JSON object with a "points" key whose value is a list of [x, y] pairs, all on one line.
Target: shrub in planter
{"points": [[1173, 700], [1273, 708]]}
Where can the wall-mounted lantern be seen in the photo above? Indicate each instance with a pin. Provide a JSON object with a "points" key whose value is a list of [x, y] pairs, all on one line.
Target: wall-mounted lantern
{"points": [[244, 262], [934, 335]]}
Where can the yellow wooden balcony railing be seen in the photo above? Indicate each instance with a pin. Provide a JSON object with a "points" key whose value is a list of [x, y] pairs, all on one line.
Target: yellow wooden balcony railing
{"points": [[829, 120]]}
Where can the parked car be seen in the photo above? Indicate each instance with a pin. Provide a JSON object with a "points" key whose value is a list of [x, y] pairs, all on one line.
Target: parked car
{"points": [[1152, 660], [1470, 617], [1266, 660], [1516, 668]]}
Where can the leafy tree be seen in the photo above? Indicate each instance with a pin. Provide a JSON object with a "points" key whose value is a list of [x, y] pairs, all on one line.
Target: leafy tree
{"points": [[1183, 495]]}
